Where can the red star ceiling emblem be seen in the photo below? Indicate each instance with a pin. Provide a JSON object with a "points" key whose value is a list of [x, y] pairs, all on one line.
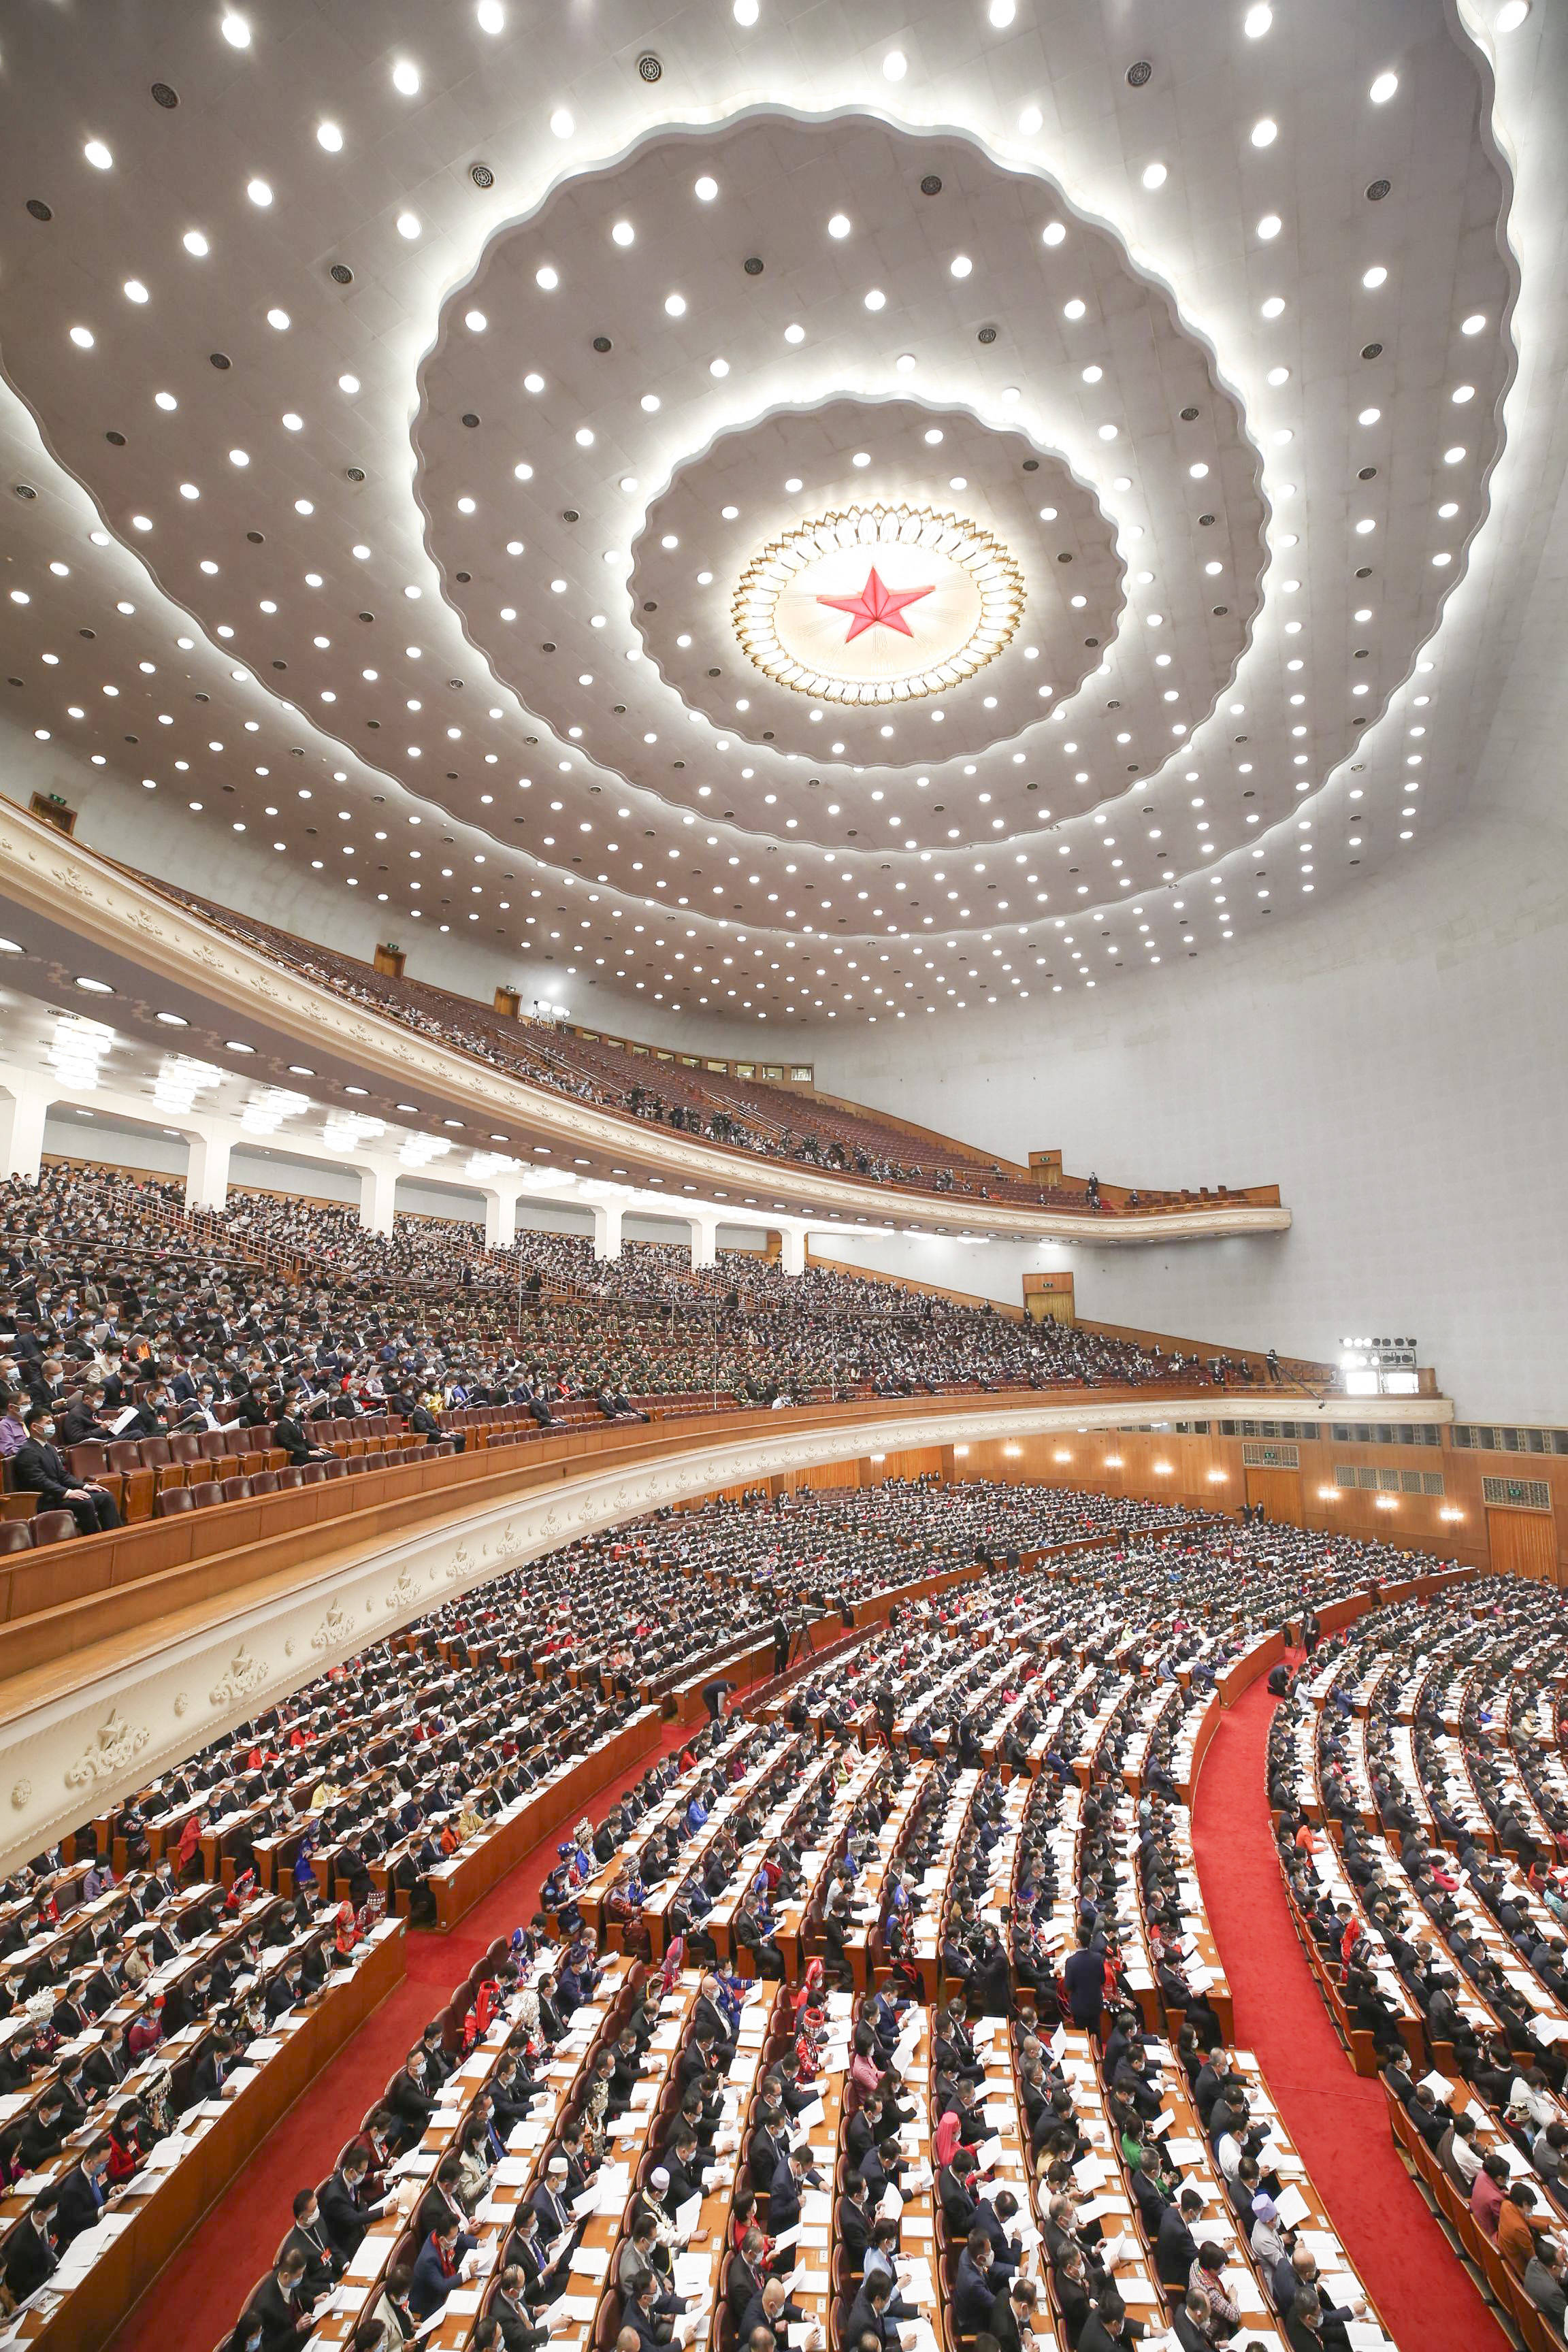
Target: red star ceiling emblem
{"points": [[876, 604]]}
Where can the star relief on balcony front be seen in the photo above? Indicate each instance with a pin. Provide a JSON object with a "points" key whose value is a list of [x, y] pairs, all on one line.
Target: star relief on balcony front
{"points": [[877, 605]]}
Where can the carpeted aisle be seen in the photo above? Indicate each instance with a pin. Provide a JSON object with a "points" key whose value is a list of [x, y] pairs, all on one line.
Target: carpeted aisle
{"points": [[198, 2297], [1338, 2120]]}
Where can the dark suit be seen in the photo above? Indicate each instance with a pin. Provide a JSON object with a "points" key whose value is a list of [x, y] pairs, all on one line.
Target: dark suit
{"points": [[40, 1469], [1175, 2249], [31, 2259], [864, 2320], [344, 2215], [430, 2285], [278, 2313]]}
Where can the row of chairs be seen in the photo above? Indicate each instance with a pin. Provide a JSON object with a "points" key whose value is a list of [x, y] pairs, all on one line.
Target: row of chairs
{"points": [[1507, 2291], [54, 1526]]}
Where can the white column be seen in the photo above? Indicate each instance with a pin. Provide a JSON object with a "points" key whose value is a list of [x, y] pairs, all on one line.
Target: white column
{"points": [[792, 1251], [704, 1240], [500, 1215], [378, 1194], [607, 1228], [206, 1165], [24, 1107]]}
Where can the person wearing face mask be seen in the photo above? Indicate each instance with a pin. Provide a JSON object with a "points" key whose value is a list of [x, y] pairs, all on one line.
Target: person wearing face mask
{"points": [[38, 1467], [82, 2194], [32, 2255]]}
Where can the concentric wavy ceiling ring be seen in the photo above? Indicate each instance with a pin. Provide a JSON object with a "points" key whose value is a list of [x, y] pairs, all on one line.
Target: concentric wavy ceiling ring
{"points": [[1050, 378], [1035, 659]]}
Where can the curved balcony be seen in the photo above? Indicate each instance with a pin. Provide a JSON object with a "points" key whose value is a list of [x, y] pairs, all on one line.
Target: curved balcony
{"points": [[142, 1644], [69, 900]]}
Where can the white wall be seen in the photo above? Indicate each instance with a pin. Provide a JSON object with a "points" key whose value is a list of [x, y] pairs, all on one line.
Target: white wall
{"points": [[1396, 1064]]}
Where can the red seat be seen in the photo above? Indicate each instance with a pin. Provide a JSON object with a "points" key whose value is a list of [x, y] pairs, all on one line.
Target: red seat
{"points": [[16, 1535], [86, 1460], [375, 1462], [212, 1444], [337, 1467], [264, 1482], [312, 1474], [124, 1456], [52, 1526], [234, 1490], [183, 1448], [290, 1476], [171, 1499], [206, 1493]]}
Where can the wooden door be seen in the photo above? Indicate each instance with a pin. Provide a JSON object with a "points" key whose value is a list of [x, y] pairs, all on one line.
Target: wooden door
{"points": [[1279, 1491], [1522, 1543]]}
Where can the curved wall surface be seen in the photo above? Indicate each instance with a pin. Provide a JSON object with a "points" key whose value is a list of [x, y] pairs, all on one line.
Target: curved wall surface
{"points": [[79, 1733]]}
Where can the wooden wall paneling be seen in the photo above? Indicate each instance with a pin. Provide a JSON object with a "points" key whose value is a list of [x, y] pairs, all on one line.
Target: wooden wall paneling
{"points": [[1523, 1543]]}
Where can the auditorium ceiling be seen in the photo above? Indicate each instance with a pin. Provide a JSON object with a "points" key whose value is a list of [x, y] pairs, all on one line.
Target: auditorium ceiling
{"points": [[832, 478]]}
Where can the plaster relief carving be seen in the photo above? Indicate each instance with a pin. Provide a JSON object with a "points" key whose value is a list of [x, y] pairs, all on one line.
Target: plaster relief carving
{"points": [[115, 1745], [21, 1792], [336, 1627], [243, 1675]]}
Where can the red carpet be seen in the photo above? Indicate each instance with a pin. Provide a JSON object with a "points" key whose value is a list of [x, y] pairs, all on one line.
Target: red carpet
{"points": [[226, 2255], [1338, 2120]]}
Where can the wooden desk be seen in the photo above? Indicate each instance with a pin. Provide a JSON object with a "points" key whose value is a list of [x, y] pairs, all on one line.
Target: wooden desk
{"points": [[158, 2219]]}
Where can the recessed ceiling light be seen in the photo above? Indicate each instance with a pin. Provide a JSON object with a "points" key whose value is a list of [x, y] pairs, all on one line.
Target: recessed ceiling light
{"points": [[795, 333], [1256, 23], [82, 338], [1154, 175], [1266, 132], [1470, 326], [1461, 392], [961, 265], [349, 383], [234, 1046], [1382, 89], [174, 1020], [1511, 15], [298, 1070], [1453, 457], [876, 299], [134, 290], [260, 192], [330, 136], [839, 225], [1273, 306], [1270, 226], [94, 987], [705, 189], [532, 382], [547, 278], [1279, 375], [1053, 233], [98, 155], [491, 15], [236, 31], [895, 65], [240, 458], [562, 123], [279, 319], [408, 225], [195, 242], [675, 306], [405, 77], [1073, 309], [1001, 12], [1373, 278]]}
